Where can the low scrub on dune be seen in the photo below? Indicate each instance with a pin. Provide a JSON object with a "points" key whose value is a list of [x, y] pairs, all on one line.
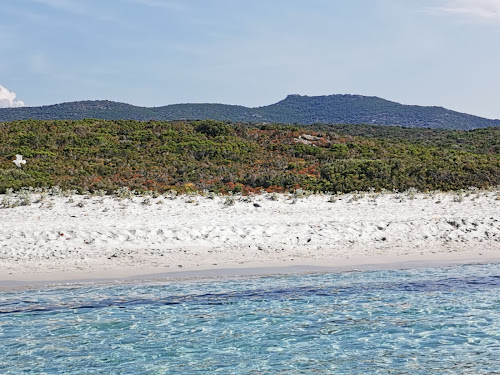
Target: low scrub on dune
{"points": [[223, 157]]}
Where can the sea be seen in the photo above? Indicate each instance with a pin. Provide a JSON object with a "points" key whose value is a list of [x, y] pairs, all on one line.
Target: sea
{"points": [[416, 321]]}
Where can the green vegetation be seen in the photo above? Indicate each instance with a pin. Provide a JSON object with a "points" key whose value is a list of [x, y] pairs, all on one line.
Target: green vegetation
{"points": [[105, 155], [332, 109]]}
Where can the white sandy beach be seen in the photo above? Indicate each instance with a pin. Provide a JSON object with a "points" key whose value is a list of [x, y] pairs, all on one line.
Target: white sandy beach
{"points": [[83, 237]]}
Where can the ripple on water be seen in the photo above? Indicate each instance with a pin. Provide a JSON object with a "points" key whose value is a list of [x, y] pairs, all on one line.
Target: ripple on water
{"points": [[440, 320]]}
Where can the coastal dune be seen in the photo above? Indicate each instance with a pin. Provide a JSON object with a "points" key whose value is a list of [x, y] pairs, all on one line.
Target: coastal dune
{"points": [[84, 236]]}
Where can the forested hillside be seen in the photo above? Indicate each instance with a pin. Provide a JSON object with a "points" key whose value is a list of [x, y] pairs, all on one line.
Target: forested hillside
{"points": [[295, 109], [226, 157]]}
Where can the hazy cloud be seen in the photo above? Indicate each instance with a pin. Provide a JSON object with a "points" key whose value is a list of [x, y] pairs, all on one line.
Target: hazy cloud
{"points": [[7, 99], [479, 9], [66, 5], [79, 8], [167, 4]]}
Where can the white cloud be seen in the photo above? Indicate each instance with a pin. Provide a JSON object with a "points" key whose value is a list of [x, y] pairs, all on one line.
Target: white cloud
{"points": [[479, 9], [7, 99]]}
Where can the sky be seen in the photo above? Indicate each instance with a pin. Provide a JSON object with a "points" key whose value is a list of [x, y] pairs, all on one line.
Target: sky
{"points": [[253, 53]]}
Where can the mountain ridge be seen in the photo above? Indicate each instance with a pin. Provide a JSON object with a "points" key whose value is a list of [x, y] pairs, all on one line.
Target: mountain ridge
{"points": [[300, 109]]}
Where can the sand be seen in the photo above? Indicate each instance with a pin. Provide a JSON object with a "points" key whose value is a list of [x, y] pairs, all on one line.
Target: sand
{"points": [[87, 237]]}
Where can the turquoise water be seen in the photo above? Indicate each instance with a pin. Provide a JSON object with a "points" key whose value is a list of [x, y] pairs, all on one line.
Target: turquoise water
{"points": [[422, 321]]}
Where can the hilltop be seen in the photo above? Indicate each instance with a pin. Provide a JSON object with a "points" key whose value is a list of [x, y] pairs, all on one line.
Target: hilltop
{"points": [[294, 109]]}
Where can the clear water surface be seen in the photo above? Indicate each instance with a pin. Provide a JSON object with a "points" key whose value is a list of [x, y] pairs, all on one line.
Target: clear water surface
{"points": [[421, 321]]}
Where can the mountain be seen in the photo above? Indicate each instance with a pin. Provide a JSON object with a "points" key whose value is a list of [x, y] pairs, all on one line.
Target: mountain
{"points": [[331, 109], [357, 109]]}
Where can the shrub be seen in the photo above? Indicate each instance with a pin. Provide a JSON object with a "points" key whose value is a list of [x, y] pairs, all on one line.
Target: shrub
{"points": [[213, 128]]}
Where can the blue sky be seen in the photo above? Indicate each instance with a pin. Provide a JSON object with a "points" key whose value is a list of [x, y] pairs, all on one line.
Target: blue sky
{"points": [[253, 53]]}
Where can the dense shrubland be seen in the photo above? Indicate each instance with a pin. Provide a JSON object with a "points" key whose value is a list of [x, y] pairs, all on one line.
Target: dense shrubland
{"points": [[223, 157]]}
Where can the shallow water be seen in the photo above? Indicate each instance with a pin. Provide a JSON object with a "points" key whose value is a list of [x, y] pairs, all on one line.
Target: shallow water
{"points": [[422, 321]]}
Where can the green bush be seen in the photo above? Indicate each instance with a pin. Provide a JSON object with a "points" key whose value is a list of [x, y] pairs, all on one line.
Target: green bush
{"points": [[220, 157], [213, 128]]}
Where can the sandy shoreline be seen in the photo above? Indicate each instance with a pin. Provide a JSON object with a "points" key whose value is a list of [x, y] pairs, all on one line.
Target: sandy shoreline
{"points": [[59, 238], [165, 274]]}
